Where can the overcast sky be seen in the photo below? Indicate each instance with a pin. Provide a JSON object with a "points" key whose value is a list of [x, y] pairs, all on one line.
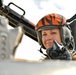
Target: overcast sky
{"points": [[36, 9]]}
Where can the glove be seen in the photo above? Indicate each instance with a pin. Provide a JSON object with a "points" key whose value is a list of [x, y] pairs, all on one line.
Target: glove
{"points": [[58, 51]]}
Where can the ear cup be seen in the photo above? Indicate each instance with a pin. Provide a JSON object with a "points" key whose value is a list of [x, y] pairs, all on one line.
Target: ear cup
{"points": [[73, 28], [67, 38]]}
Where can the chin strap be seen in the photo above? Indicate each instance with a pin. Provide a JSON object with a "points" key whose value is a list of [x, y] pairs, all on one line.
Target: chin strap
{"points": [[42, 51], [45, 54]]}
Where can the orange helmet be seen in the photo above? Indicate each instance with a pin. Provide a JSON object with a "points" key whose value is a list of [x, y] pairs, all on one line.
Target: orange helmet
{"points": [[52, 21]]}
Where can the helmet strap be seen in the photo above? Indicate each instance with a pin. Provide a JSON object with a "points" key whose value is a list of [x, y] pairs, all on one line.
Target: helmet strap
{"points": [[42, 52]]}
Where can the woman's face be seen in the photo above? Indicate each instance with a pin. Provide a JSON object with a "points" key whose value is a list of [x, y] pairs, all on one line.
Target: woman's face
{"points": [[49, 35]]}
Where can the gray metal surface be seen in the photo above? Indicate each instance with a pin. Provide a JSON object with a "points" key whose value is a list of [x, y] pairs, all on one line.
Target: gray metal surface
{"points": [[9, 39], [8, 67]]}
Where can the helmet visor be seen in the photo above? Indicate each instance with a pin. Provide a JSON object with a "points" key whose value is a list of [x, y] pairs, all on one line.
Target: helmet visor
{"points": [[48, 28]]}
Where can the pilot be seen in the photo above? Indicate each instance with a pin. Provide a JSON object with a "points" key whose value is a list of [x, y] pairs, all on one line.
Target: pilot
{"points": [[55, 38]]}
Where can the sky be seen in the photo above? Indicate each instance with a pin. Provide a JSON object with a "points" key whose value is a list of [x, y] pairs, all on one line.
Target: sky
{"points": [[35, 10]]}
